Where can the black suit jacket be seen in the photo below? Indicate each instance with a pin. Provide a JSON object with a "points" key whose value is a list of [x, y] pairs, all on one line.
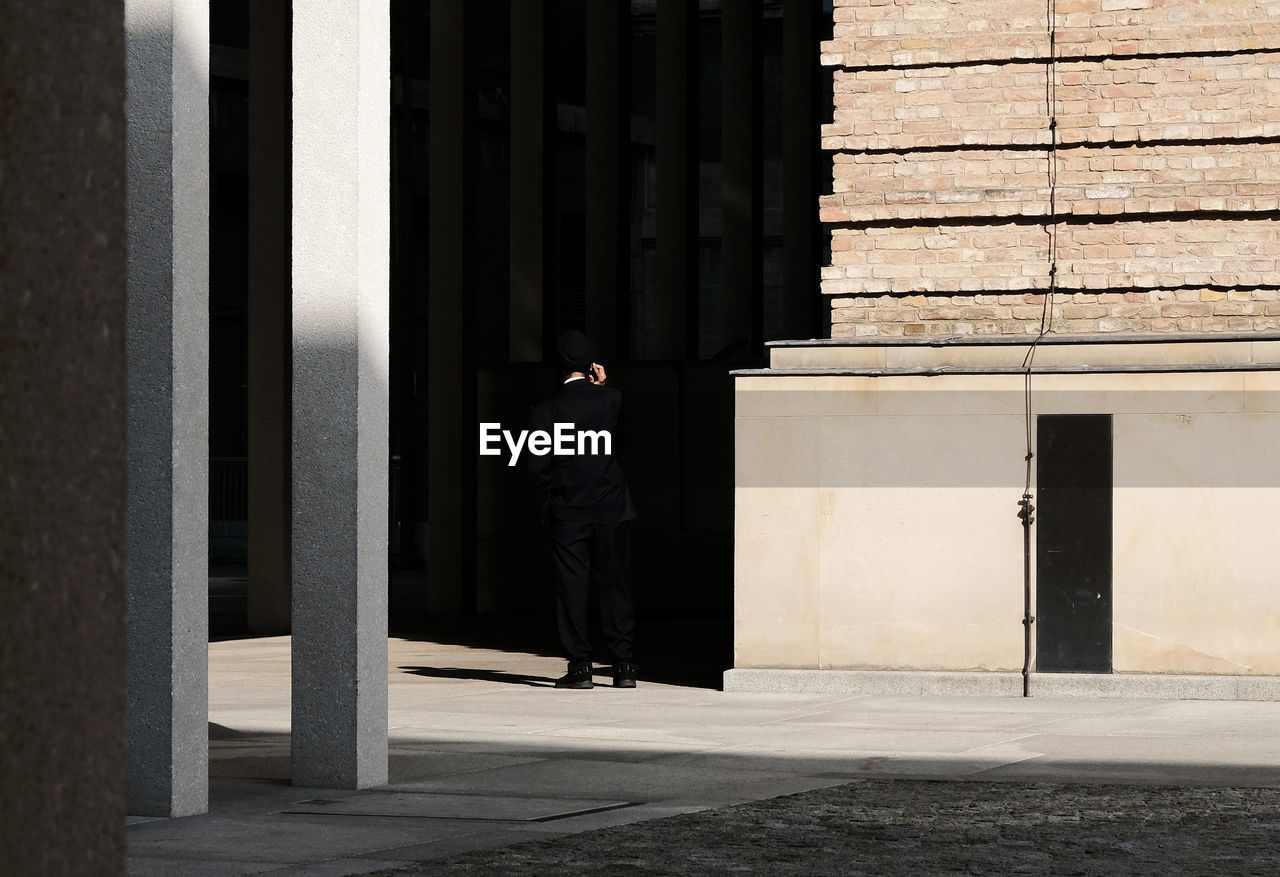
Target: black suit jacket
{"points": [[581, 487]]}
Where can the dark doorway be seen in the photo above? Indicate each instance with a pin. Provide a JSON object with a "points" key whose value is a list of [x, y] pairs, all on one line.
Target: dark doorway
{"points": [[564, 169], [1073, 543]]}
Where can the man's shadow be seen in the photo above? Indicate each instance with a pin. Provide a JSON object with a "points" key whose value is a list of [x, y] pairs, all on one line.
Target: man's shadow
{"points": [[481, 675]]}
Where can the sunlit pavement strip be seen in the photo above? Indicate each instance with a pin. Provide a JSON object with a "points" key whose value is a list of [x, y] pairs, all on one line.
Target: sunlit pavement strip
{"points": [[522, 760]]}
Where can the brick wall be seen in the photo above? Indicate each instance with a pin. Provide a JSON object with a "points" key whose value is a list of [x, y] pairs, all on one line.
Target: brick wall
{"points": [[1164, 159]]}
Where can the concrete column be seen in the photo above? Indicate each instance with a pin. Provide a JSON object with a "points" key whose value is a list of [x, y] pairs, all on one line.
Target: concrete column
{"points": [[800, 148], [62, 438], [532, 141], [677, 208], [740, 205], [340, 245], [451, 381], [269, 319], [608, 169], [167, 554]]}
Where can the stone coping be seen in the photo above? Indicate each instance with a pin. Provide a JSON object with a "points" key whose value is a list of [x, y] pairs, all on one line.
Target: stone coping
{"points": [[931, 371], [1081, 354], [1025, 340], [1002, 684]]}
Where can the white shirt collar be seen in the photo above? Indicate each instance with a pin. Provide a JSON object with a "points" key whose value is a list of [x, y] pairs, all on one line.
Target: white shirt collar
{"points": [[574, 378]]}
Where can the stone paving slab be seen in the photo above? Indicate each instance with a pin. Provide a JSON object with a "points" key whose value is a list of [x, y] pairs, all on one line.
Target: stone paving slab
{"points": [[449, 805], [912, 828]]}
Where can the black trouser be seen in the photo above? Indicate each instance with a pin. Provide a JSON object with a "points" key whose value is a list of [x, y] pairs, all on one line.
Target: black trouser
{"points": [[586, 552]]}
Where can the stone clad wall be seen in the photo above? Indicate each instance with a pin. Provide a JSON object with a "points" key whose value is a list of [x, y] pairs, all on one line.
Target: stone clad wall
{"points": [[1165, 154], [839, 474]]}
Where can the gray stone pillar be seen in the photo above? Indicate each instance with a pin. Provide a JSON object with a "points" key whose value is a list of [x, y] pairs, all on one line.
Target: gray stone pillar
{"points": [[341, 218], [167, 554], [269, 321], [530, 146], [62, 438], [608, 254], [451, 377], [677, 208], [800, 149], [740, 205]]}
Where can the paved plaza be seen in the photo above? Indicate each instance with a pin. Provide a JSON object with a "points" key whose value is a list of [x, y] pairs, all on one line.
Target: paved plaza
{"points": [[487, 757], [905, 828]]}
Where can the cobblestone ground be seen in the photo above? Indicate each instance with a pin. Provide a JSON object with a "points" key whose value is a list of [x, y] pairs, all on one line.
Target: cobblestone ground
{"points": [[918, 828]]}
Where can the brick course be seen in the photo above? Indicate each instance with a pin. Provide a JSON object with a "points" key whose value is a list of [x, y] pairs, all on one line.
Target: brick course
{"points": [[1167, 167], [1090, 181], [1160, 310], [1120, 256], [1098, 101], [915, 32]]}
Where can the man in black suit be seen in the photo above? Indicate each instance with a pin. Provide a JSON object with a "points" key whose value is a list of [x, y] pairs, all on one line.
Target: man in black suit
{"points": [[587, 510]]}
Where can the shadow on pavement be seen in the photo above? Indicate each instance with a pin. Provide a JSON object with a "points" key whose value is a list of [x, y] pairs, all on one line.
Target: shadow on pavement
{"points": [[481, 675], [689, 652], [686, 650]]}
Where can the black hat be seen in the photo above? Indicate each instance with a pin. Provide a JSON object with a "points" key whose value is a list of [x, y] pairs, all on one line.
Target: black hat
{"points": [[576, 352]]}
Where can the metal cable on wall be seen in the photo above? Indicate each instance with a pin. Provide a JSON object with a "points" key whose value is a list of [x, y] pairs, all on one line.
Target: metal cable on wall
{"points": [[1026, 510]]}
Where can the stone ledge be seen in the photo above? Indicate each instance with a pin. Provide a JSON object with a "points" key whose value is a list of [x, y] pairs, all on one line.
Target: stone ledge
{"points": [[1087, 353], [987, 684], [1154, 686], [1070, 340]]}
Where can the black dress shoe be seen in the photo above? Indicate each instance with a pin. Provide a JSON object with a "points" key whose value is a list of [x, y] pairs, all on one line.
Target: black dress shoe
{"points": [[624, 675], [580, 678]]}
